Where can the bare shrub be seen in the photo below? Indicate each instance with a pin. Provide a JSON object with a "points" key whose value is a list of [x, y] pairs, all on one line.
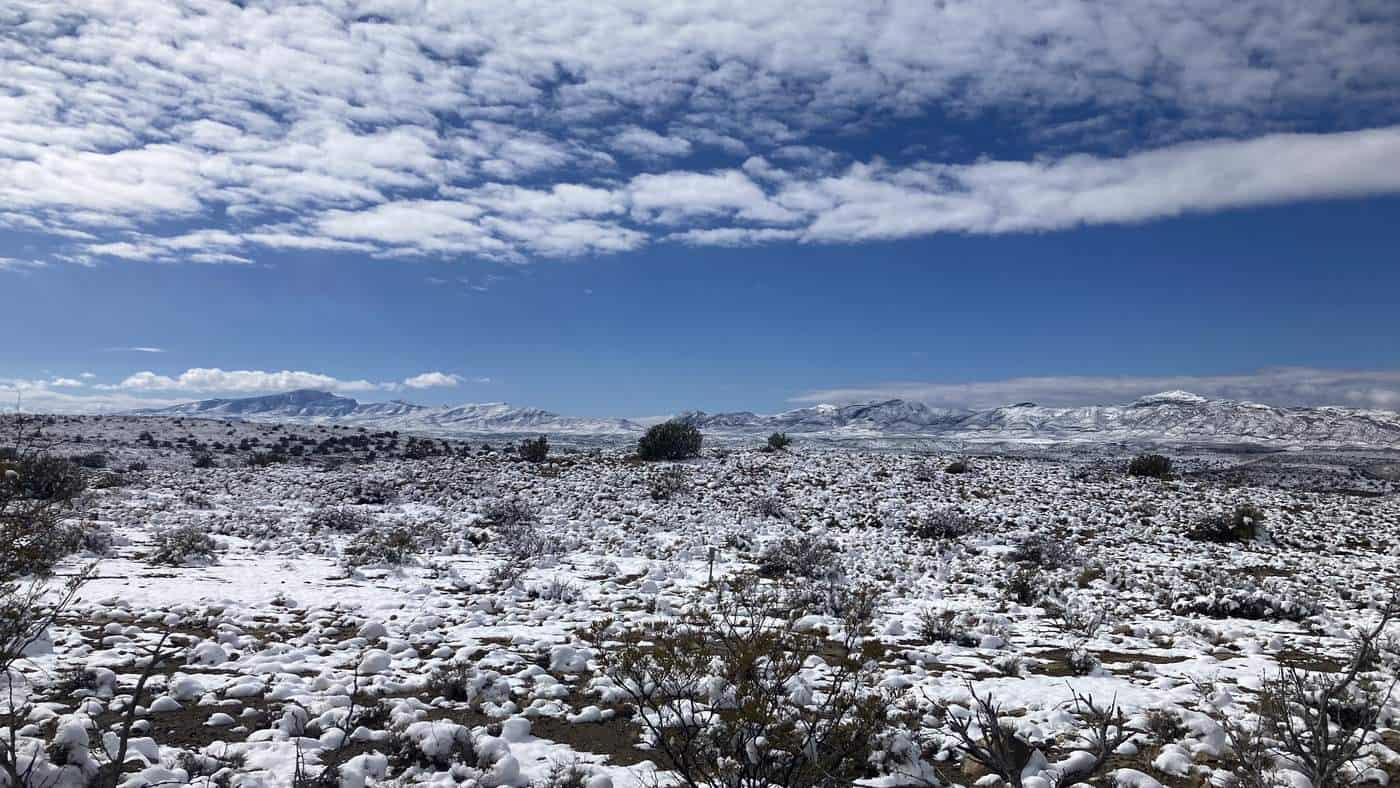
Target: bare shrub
{"points": [[942, 524], [182, 545], [1153, 466], [393, 546], [1240, 525], [803, 555], [721, 695], [1045, 552], [339, 520], [536, 450], [668, 483], [985, 737], [1323, 722]]}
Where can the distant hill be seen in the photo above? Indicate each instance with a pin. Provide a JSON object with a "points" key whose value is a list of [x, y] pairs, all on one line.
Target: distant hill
{"points": [[1173, 416]]}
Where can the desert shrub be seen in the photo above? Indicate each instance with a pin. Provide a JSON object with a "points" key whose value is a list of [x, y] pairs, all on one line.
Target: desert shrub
{"points": [[1025, 584], [92, 460], [942, 524], [392, 546], [779, 441], [108, 481], [44, 477], [432, 746], [721, 694], [182, 545], [990, 739], [506, 511], [35, 488], [522, 542], [1153, 466], [1045, 552], [801, 555], [669, 482], [1320, 725], [1240, 525], [138, 467], [339, 519], [536, 450], [264, 459], [942, 625], [1165, 725], [771, 506], [375, 492], [1257, 604], [957, 466], [203, 460], [463, 682], [671, 440]]}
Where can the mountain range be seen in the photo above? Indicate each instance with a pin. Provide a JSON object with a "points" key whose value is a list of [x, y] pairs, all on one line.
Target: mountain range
{"points": [[1173, 416]]}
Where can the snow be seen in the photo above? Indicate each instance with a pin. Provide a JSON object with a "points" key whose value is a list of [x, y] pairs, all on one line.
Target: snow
{"points": [[287, 647]]}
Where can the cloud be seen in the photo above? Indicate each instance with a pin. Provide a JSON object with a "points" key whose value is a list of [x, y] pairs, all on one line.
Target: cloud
{"points": [[647, 144], [248, 381], [134, 349], [1299, 386], [429, 380], [515, 132]]}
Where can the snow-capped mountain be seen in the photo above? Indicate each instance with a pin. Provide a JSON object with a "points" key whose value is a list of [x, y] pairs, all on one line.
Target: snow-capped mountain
{"points": [[323, 407], [894, 416], [1172, 416]]}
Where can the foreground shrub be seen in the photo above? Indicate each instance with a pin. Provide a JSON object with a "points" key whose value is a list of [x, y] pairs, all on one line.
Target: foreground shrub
{"points": [[1259, 604], [779, 441], [804, 555], [392, 546], [182, 545], [339, 519], [671, 440], [726, 698], [667, 483], [1240, 525], [942, 524], [536, 450], [1044, 551], [34, 490], [957, 466], [44, 477], [1152, 466]]}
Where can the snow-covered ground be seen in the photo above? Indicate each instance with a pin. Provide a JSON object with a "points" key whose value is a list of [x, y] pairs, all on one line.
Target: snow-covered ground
{"points": [[282, 636]]}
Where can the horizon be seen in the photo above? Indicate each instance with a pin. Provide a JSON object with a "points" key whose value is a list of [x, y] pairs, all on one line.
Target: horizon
{"points": [[1178, 395], [601, 209]]}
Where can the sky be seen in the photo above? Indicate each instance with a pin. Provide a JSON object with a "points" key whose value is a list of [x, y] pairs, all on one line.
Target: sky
{"points": [[636, 208]]}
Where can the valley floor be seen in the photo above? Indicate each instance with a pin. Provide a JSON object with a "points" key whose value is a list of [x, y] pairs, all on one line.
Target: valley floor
{"points": [[356, 591]]}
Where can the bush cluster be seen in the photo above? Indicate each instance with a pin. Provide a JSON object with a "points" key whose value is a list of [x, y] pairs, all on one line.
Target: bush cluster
{"points": [[671, 440], [1152, 466], [536, 450]]}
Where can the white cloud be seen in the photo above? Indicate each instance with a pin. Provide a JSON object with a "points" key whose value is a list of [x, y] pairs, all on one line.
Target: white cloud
{"points": [[251, 381], [646, 144], [490, 128], [429, 380], [1378, 389], [134, 349]]}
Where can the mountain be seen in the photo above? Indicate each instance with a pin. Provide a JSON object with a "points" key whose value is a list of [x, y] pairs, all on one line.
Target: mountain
{"points": [[1168, 417], [893, 416], [323, 407]]}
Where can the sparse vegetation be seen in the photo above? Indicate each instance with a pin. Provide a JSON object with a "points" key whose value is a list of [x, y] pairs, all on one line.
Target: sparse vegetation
{"points": [[1152, 466], [778, 441], [534, 450], [671, 440]]}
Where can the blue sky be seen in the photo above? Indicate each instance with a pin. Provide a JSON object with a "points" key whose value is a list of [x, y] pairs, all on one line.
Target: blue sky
{"points": [[634, 209]]}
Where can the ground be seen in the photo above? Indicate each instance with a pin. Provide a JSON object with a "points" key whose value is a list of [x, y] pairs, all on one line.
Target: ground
{"points": [[278, 636]]}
